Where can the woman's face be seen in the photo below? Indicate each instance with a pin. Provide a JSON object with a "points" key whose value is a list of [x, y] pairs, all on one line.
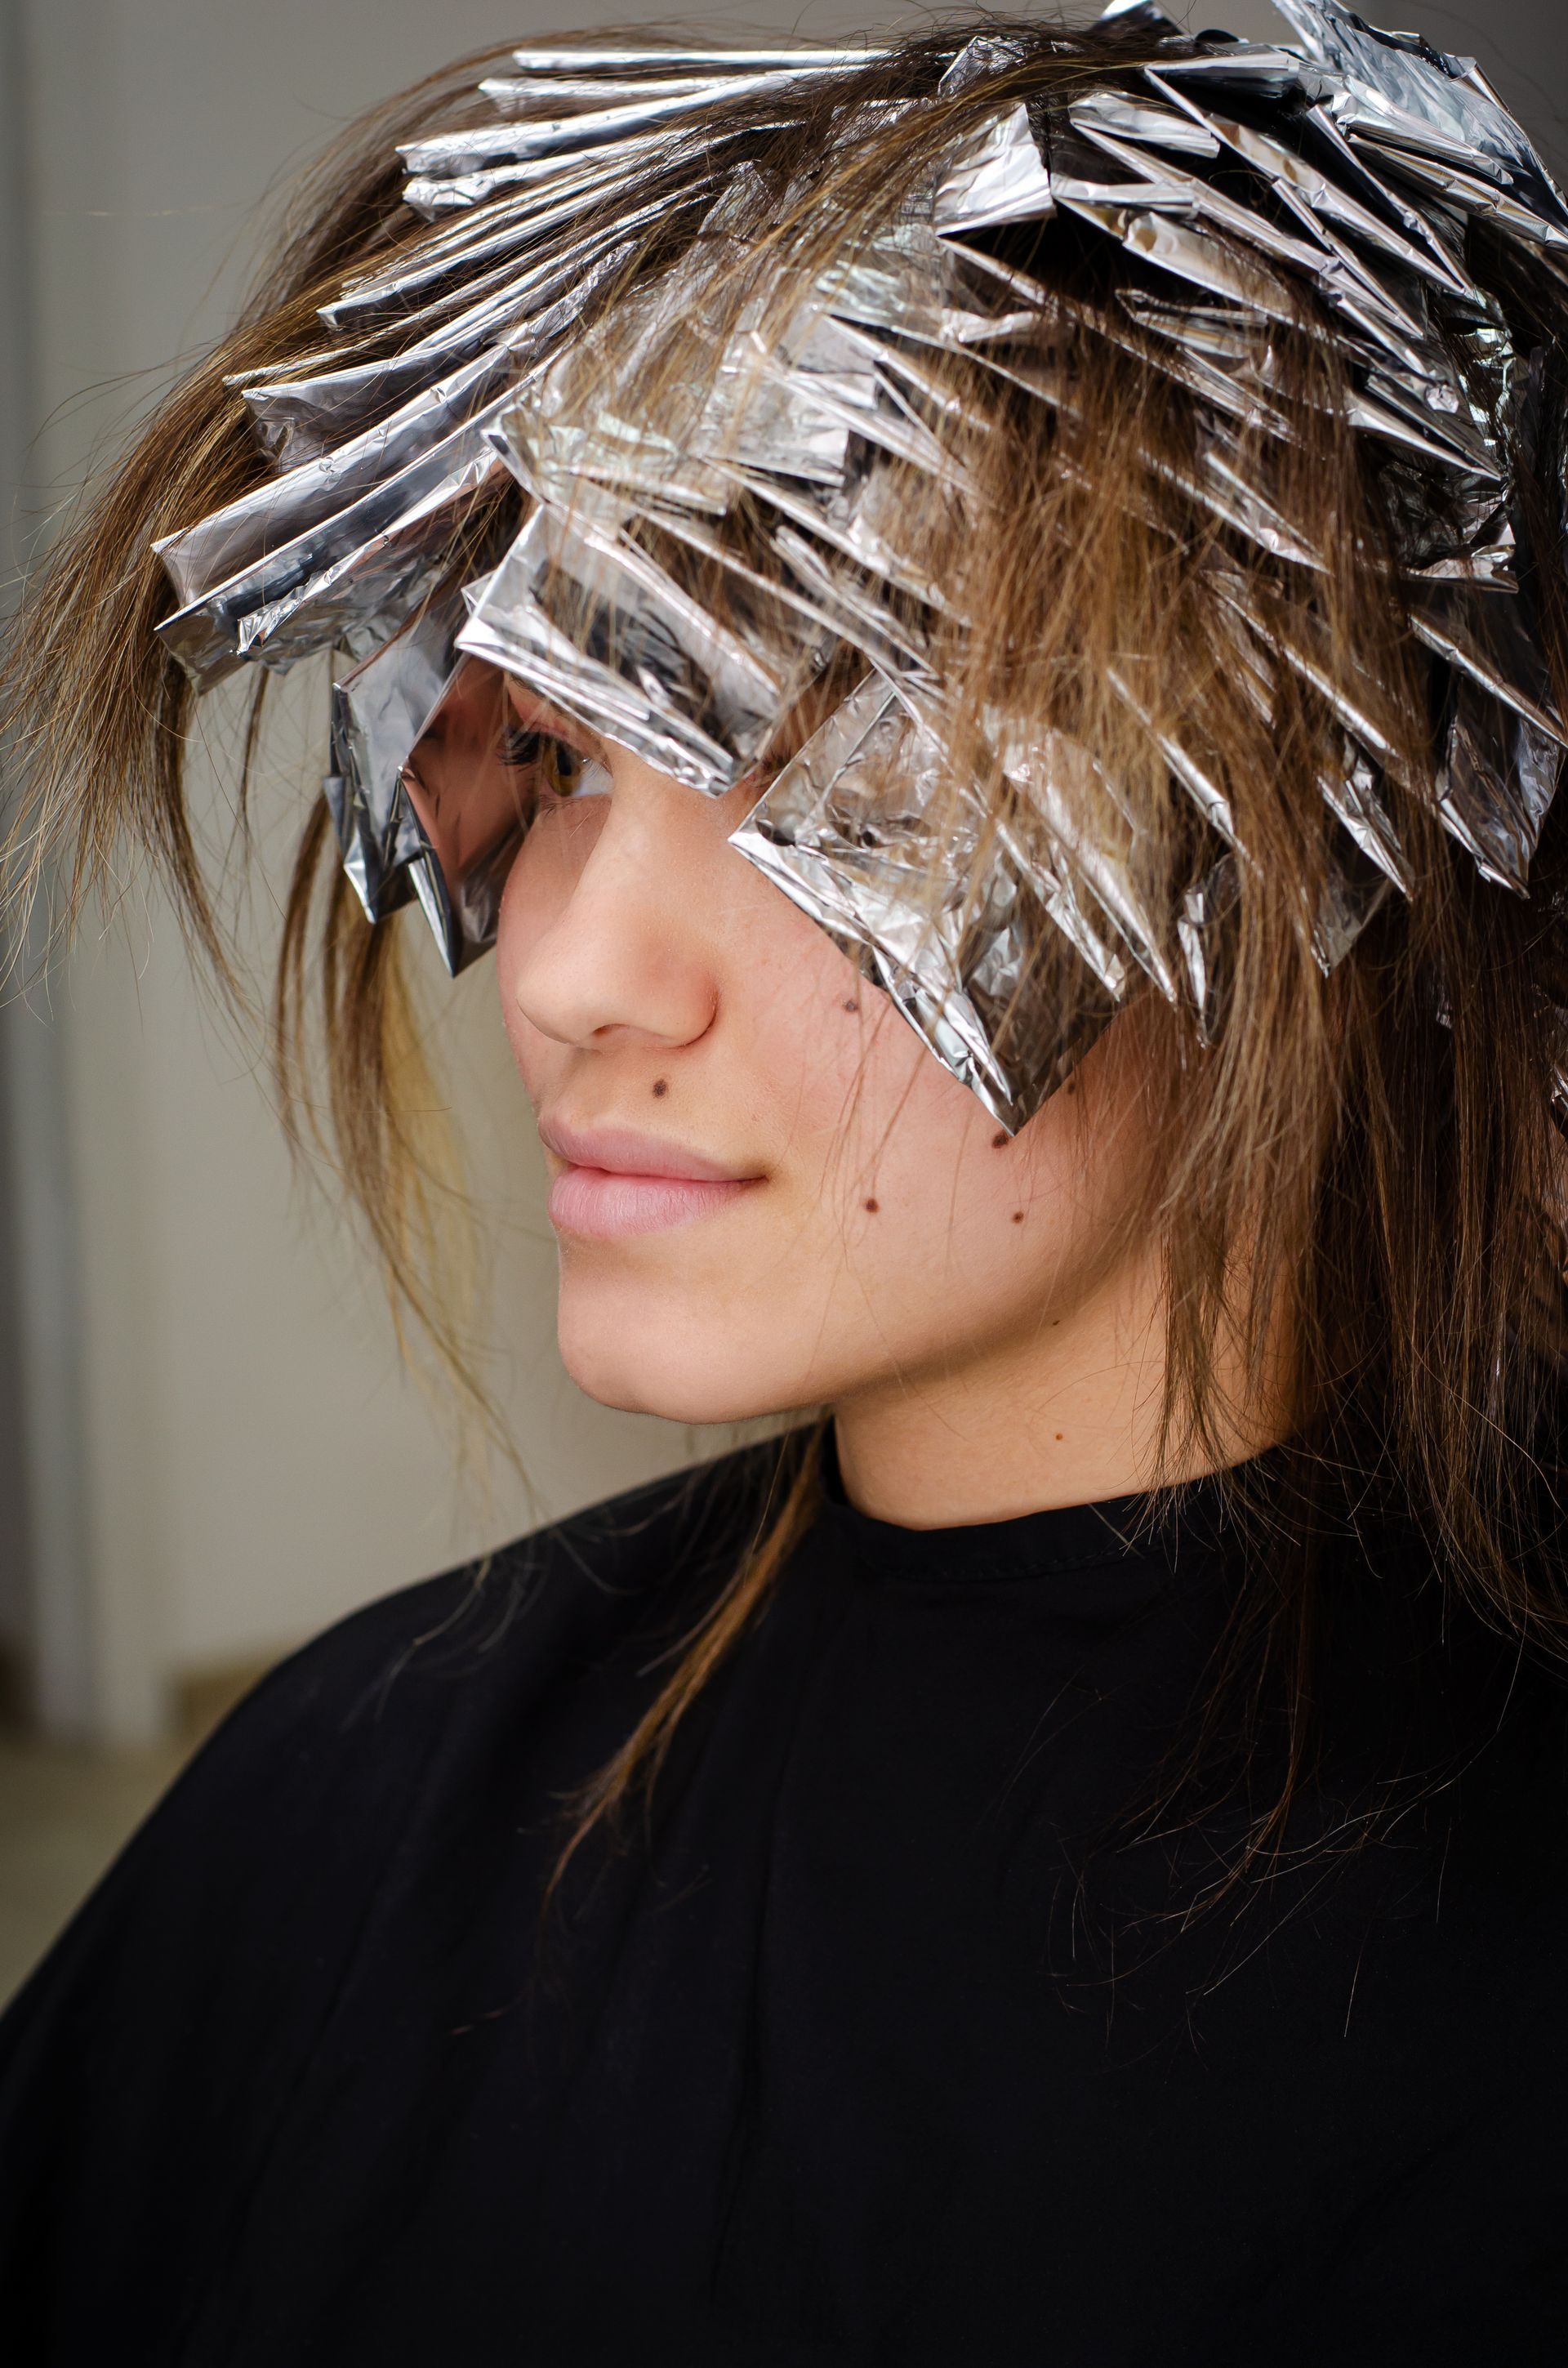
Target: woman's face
{"points": [[767, 1193]]}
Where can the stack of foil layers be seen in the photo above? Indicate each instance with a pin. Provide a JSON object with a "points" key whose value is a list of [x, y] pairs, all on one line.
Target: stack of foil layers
{"points": [[1232, 175]]}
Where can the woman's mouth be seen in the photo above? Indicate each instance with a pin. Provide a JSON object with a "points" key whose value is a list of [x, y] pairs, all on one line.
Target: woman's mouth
{"points": [[613, 1183]]}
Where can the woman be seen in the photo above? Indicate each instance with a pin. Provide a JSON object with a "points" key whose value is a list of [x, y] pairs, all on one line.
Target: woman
{"points": [[982, 625]]}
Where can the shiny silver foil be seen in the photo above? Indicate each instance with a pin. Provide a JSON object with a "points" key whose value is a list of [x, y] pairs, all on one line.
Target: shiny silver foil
{"points": [[939, 906], [1224, 180], [380, 711]]}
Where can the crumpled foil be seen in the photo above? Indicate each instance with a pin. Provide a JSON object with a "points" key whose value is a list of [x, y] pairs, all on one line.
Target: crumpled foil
{"points": [[1233, 177]]}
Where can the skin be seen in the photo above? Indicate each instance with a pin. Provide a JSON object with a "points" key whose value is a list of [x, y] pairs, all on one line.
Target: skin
{"points": [[969, 1307]]}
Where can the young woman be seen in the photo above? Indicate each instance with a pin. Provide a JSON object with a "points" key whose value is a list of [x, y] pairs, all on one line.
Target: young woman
{"points": [[982, 624]]}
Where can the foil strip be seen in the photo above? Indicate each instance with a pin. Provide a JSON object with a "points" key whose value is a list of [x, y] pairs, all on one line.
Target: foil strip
{"points": [[353, 576], [233, 540], [1432, 104], [299, 419], [1206, 909], [522, 137], [861, 832], [582, 615], [380, 711]]}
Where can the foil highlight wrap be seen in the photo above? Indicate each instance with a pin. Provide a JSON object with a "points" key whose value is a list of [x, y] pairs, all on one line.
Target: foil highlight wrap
{"points": [[1231, 192], [943, 913]]}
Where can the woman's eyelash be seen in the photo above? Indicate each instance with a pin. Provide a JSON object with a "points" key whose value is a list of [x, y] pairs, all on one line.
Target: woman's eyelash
{"points": [[523, 746]]}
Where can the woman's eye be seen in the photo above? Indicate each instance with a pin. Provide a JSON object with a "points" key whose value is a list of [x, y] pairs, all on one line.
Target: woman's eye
{"points": [[564, 771]]}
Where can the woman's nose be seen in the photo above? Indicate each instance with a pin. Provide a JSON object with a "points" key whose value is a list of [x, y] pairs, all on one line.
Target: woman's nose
{"points": [[615, 936]]}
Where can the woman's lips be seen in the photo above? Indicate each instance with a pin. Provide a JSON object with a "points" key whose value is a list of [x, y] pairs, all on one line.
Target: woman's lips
{"points": [[613, 1183], [601, 1204]]}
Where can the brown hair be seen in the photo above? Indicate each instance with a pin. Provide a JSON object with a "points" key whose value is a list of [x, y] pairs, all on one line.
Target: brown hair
{"points": [[1363, 1165]]}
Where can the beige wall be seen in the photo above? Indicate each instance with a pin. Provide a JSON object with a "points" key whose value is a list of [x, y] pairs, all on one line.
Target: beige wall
{"points": [[251, 1462]]}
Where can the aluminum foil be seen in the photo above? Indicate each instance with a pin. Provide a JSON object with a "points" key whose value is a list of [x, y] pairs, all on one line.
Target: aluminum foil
{"points": [[379, 710], [863, 832], [680, 583]]}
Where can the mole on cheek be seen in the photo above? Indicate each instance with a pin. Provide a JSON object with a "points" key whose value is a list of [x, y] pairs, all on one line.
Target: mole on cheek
{"points": [[999, 1142], [661, 1086], [873, 1206], [1018, 1216], [850, 1004]]}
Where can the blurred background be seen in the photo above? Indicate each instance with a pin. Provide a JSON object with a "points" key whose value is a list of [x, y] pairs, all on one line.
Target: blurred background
{"points": [[209, 1448]]}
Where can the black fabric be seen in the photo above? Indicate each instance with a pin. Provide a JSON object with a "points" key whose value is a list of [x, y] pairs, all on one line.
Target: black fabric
{"points": [[869, 2054]]}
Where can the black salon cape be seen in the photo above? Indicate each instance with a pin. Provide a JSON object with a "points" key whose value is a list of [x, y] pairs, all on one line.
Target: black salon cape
{"points": [[858, 2058]]}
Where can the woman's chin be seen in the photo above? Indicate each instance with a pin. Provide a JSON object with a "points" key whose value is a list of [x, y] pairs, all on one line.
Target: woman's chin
{"points": [[636, 1367]]}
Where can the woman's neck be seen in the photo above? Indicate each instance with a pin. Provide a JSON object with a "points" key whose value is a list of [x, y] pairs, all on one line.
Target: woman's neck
{"points": [[1070, 1413]]}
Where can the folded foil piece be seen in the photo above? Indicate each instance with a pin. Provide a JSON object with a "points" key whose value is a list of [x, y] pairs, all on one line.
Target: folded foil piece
{"points": [[861, 830], [380, 710], [1239, 194]]}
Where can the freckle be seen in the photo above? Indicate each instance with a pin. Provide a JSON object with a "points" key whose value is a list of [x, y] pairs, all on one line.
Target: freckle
{"points": [[1072, 1085], [661, 1086], [851, 1005], [1018, 1216], [999, 1142], [873, 1206], [1059, 1434]]}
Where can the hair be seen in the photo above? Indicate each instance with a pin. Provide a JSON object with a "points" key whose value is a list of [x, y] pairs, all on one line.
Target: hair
{"points": [[1361, 1167]]}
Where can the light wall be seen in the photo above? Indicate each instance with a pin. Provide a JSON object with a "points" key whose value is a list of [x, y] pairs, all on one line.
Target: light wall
{"points": [[225, 1453]]}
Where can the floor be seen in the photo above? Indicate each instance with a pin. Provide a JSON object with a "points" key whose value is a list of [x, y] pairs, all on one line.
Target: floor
{"points": [[63, 1815]]}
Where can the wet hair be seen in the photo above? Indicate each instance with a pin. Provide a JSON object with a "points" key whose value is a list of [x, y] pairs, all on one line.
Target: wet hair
{"points": [[1361, 1165]]}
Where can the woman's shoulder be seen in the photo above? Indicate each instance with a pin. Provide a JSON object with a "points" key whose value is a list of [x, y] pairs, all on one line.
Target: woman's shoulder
{"points": [[150, 2061], [551, 1603], [349, 1726], [190, 1989], [147, 2068]]}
